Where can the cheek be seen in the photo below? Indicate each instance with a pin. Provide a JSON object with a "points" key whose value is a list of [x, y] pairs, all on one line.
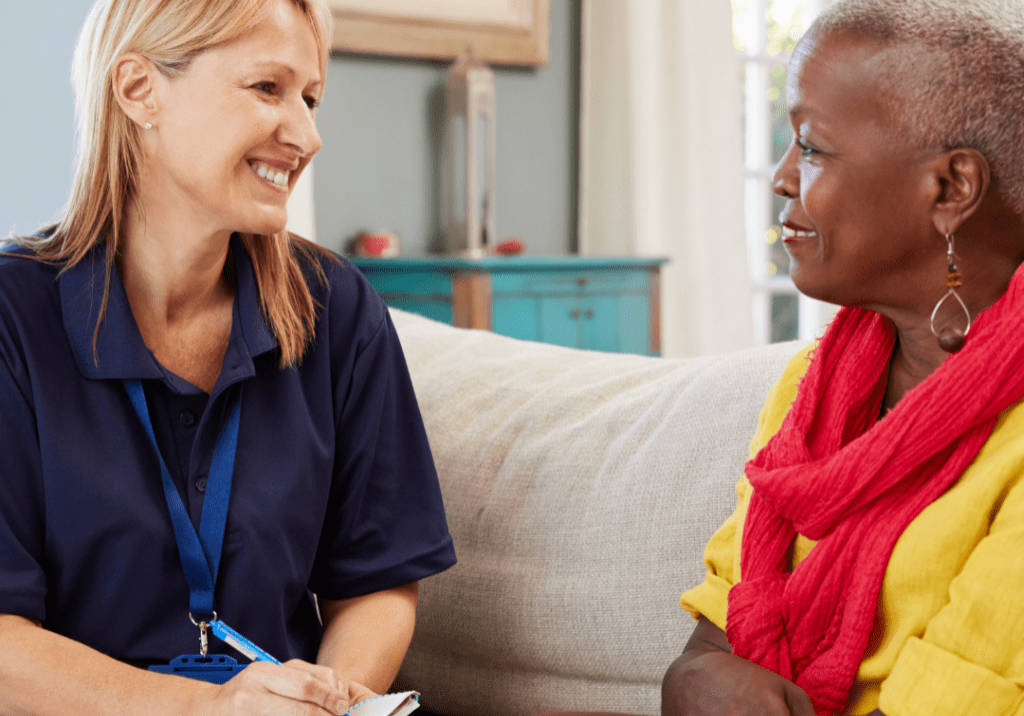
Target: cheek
{"points": [[810, 188], [224, 136]]}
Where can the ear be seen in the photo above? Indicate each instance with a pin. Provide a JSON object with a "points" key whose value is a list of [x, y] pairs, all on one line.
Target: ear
{"points": [[964, 177], [134, 85]]}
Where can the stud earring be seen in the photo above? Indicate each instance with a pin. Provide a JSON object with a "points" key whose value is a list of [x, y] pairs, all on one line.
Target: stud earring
{"points": [[149, 125], [951, 339]]}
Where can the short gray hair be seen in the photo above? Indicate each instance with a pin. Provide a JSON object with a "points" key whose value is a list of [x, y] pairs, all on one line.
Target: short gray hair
{"points": [[962, 79]]}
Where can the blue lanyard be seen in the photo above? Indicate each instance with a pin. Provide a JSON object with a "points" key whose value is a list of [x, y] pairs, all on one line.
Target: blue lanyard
{"points": [[200, 554]]}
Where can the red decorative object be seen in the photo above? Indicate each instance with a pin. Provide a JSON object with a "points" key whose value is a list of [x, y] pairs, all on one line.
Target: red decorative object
{"points": [[510, 247], [378, 244]]}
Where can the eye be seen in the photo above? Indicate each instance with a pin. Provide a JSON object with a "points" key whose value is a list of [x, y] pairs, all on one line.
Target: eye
{"points": [[312, 102], [265, 87], [805, 149]]}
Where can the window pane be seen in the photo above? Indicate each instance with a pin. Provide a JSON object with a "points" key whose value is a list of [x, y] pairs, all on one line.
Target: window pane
{"points": [[782, 132], [787, 20], [777, 255], [766, 32], [785, 318], [744, 25]]}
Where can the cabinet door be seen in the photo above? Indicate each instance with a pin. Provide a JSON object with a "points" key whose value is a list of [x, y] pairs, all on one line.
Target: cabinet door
{"points": [[634, 325], [560, 321], [516, 317], [599, 324], [615, 324]]}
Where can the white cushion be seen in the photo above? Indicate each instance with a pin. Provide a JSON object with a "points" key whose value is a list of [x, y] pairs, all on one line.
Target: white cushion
{"points": [[580, 488]]}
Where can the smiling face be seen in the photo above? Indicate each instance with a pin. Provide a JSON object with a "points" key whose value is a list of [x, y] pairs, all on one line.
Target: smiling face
{"points": [[235, 130], [858, 220]]}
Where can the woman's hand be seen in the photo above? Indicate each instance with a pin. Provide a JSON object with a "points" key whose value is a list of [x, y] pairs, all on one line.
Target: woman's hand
{"points": [[708, 680], [295, 688]]}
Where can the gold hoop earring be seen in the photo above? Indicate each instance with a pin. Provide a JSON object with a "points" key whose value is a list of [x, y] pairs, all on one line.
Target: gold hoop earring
{"points": [[951, 338]]}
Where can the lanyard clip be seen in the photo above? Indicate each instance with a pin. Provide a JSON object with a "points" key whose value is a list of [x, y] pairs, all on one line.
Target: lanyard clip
{"points": [[204, 642]]}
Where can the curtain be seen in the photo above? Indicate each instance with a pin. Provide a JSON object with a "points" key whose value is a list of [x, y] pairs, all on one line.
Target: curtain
{"points": [[661, 162]]}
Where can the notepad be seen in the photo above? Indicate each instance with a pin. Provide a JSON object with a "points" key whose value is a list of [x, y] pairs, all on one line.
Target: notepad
{"points": [[399, 704]]}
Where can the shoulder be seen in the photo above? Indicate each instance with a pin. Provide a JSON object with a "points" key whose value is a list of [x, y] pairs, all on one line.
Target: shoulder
{"points": [[30, 306], [24, 279], [349, 306], [16, 255], [785, 389], [781, 397]]}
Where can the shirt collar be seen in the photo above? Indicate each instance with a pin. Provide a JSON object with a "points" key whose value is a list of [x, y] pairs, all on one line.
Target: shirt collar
{"points": [[120, 351]]}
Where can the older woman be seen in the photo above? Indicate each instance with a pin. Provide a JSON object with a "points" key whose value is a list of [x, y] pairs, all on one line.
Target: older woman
{"points": [[875, 561], [205, 419]]}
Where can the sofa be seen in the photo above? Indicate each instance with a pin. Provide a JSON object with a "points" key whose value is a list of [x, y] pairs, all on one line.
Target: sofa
{"points": [[580, 489]]}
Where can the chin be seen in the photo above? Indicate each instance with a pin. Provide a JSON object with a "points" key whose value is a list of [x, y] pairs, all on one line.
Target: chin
{"points": [[817, 290], [265, 225]]}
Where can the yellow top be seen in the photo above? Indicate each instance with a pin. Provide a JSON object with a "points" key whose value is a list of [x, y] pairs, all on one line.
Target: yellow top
{"points": [[949, 632]]}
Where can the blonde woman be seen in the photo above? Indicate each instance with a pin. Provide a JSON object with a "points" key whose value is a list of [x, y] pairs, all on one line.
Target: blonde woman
{"points": [[205, 419]]}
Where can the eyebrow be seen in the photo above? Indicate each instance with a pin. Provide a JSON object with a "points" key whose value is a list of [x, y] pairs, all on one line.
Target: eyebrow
{"points": [[286, 69]]}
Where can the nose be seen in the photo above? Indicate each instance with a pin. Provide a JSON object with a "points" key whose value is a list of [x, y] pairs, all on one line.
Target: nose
{"points": [[786, 179], [298, 129]]}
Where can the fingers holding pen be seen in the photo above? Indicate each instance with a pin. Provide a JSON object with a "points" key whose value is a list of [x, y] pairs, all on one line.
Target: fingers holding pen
{"points": [[295, 688], [357, 692]]}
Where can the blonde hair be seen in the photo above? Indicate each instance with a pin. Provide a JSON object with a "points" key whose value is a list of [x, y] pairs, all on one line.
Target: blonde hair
{"points": [[958, 73], [170, 34]]}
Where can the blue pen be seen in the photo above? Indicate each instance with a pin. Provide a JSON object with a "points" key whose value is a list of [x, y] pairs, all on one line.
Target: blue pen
{"points": [[233, 639]]}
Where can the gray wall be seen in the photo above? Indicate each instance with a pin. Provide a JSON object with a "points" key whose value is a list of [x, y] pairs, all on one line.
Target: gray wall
{"points": [[381, 124], [36, 109]]}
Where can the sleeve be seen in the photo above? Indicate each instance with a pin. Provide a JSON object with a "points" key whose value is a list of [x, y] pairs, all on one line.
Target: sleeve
{"points": [[22, 516], [970, 658], [710, 598], [390, 527]]}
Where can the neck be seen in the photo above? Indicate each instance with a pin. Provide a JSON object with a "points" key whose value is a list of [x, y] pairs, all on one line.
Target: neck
{"points": [[172, 274], [917, 354]]}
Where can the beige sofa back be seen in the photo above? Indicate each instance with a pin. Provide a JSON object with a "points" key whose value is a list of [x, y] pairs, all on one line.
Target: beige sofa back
{"points": [[580, 489]]}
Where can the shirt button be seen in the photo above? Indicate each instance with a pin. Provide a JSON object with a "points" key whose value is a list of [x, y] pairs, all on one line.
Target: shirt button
{"points": [[187, 419], [201, 484]]}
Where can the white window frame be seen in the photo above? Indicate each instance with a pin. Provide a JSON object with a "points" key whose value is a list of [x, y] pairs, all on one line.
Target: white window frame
{"points": [[812, 314]]}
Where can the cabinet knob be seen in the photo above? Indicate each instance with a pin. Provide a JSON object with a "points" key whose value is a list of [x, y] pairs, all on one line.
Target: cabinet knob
{"points": [[590, 313], [574, 314], [581, 281]]}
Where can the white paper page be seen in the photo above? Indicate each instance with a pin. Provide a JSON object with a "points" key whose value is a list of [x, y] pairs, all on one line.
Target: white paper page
{"points": [[399, 704]]}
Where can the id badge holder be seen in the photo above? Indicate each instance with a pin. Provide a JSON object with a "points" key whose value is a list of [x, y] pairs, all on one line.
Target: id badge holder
{"points": [[215, 669]]}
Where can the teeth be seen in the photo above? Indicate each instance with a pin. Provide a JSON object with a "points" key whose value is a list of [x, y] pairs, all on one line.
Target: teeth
{"points": [[277, 177], [793, 233]]}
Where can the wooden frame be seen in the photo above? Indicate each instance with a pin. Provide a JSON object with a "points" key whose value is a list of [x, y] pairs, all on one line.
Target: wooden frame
{"points": [[512, 32]]}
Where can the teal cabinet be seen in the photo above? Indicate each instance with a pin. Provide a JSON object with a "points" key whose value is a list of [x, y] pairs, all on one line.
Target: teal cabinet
{"points": [[605, 304]]}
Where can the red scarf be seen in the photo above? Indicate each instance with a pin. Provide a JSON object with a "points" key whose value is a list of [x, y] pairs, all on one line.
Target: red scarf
{"points": [[836, 474]]}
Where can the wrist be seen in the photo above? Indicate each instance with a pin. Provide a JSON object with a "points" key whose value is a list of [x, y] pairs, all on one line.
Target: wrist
{"points": [[197, 698], [352, 675], [698, 650]]}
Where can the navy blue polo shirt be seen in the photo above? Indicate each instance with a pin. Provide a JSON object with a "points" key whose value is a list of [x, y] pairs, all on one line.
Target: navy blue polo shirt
{"points": [[334, 489]]}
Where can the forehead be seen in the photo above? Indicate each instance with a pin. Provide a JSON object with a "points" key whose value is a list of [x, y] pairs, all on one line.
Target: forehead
{"points": [[841, 77], [281, 35]]}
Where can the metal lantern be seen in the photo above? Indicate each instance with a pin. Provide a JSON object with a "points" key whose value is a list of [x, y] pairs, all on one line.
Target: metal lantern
{"points": [[470, 149]]}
